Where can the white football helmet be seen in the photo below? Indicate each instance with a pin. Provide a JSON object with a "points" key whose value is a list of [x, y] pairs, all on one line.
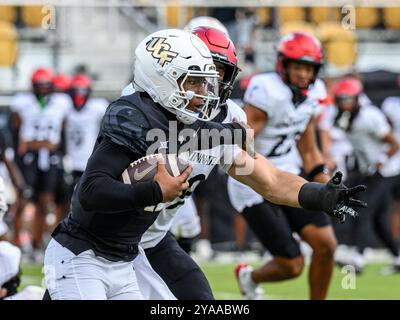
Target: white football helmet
{"points": [[170, 62], [207, 21]]}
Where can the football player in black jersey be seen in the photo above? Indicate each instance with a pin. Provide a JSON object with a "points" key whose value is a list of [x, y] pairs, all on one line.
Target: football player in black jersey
{"points": [[91, 252]]}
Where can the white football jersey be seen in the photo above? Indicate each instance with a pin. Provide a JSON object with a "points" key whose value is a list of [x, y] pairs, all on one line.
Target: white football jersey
{"points": [[186, 223], [128, 90], [340, 146], [41, 124], [391, 108], [286, 122], [368, 129], [81, 130], [202, 161]]}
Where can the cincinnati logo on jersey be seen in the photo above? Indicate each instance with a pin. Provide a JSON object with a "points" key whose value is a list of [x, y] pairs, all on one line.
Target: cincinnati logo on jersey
{"points": [[160, 50]]}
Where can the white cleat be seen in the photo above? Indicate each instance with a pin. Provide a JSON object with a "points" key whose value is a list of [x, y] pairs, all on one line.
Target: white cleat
{"points": [[249, 289]]}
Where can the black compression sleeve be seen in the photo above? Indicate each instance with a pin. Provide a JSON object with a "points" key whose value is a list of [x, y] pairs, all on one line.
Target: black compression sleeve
{"points": [[316, 196], [100, 188], [311, 196]]}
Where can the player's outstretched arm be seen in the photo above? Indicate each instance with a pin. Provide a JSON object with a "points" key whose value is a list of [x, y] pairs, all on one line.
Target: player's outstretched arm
{"points": [[288, 189], [277, 186]]}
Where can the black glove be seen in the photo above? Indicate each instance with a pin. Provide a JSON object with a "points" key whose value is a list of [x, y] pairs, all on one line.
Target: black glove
{"points": [[334, 197]]}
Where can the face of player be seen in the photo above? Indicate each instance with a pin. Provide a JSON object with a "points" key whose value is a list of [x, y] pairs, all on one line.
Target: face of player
{"points": [[300, 74], [198, 85], [221, 70], [346, 103], [42, 88]]}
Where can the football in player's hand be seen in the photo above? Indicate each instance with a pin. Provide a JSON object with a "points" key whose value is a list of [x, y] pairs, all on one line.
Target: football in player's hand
{"points": [[144, 169]]}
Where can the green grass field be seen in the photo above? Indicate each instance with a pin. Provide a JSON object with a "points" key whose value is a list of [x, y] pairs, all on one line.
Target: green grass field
{"points": [[370, 285]]}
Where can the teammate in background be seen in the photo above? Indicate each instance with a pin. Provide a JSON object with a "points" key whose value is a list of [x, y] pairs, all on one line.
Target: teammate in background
{"points": [[22, 190], [40, 114], [391, 108], [281, 107], [82, 124], [369, 132], [91, 253], [61, 84], [10, 275]]}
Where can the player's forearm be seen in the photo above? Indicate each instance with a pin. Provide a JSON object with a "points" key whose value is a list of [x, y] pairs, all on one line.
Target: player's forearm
{"points": [[273, 184], [100, 189]]}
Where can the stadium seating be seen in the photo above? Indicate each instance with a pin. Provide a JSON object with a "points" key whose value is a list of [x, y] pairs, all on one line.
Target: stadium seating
{"points": [[172, 13], [32, 16], [391, 17], [286, 14], [339, 44], [323, 14], [292, 26], [8, 13], [367, 17], [8, 44], [264, 16]]}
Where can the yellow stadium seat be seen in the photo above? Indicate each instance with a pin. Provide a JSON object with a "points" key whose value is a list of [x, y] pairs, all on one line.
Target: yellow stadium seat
{"points": [[172, 15], [264, 16], [189, 14], [8, 44], [391, 17], [366, 17], [323, 14], [334, 31], [286, 14], [339, 44], [32, 16], [340, 53], [8, 13], [296, 26]]}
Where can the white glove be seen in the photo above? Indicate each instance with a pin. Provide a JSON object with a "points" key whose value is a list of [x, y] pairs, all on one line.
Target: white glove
{"points": [[3, 202]]}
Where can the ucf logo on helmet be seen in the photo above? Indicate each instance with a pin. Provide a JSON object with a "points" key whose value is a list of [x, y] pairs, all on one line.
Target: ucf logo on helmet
{"points": [[160, 50]]}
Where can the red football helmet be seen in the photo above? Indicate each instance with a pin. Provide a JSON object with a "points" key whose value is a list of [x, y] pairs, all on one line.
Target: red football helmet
{"points": [[61, 82], [348, 87], [42, 81], [80, 90], [223, 51], [299, 47]]}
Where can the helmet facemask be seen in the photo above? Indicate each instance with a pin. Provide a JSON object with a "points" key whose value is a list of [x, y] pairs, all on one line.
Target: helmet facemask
{"points": [[80, 95], [195, 86]]}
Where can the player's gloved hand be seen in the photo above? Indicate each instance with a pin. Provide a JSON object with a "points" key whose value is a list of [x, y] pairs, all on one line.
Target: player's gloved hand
{"points": [[248, 144], [171, 187], [339, 198], [334, 197]]}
